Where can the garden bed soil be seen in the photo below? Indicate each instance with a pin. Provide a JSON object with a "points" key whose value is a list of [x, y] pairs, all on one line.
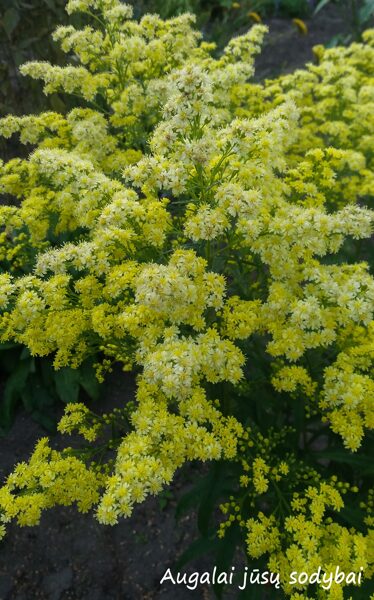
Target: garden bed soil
{"points": [[286, 49]]}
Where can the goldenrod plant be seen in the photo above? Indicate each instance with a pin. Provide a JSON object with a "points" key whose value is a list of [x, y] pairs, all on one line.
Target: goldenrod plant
{"points": [[208, 234]]}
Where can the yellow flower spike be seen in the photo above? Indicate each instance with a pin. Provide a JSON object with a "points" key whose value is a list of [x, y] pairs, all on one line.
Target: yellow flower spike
{"points": [[301, 26], [235, 5], [255, 17], [318, 51]]}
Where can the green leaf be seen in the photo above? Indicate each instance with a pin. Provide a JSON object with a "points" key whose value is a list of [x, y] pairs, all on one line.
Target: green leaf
{"points": [[252, 592], [225, 553], [10, 20], [193, 497], [210, 496], [67, 384], [14, 387], [8, 346], [320, 5], [25, 353], [45, 421], [9, 359], [27, 398], [366, 12], [52, 6], [26, 43], [299, 412], [56, 103], [47, 373], [337, 40], [226, 3], [360, 461], [353, 516], [88, 380], [35, 396]]}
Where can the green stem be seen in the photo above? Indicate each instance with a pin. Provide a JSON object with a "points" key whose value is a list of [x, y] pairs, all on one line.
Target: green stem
{"points": [[281, 498]]}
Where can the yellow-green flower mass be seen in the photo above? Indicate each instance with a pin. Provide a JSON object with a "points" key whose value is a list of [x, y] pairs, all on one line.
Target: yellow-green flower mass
{"points": [[178, 214]]}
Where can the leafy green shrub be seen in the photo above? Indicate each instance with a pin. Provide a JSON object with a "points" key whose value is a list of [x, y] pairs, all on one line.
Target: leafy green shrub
{"points": [[205, 233], [33, 383]]}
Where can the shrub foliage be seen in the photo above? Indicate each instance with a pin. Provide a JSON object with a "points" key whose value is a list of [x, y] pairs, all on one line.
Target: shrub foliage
{"points": [[209, 234]]}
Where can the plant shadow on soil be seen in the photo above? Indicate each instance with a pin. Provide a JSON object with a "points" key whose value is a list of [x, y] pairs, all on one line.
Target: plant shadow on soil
{"points": [[70, 556]]}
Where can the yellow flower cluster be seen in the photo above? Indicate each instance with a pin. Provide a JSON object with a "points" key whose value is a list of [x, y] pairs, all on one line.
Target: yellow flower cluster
{"points": [[161, 442], [50, 478], [192, 225], [302, 533], [289, 379], [309, 540], [78, 418], [348, 392]]}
